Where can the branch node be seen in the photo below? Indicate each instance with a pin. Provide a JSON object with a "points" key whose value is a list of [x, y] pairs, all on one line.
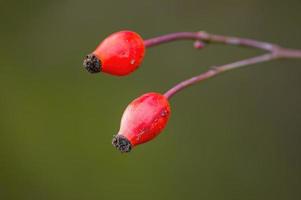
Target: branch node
{"points": [[199, 44]]}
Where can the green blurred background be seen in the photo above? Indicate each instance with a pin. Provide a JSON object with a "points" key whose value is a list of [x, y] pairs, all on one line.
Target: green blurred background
{"points": [[236, 136]]}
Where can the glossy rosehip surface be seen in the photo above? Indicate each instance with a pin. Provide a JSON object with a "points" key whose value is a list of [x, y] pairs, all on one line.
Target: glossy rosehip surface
{"points": [[144, 118], [120, 53]]}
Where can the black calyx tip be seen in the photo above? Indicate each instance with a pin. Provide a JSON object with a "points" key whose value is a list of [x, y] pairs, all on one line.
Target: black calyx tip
{"points": [[121, 143], [92, 64]]}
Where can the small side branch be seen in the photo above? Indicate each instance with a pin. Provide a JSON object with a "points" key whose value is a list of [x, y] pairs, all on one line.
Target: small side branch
{"points": [[217, 70], [274, 52]]}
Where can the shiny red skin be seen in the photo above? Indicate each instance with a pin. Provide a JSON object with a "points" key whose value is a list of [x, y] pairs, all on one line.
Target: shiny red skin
{"points": [[144, 118], [120, 53]]}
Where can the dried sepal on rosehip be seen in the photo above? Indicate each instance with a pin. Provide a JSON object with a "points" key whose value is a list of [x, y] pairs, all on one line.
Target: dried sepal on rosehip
{"points": [[143, 119], [119, 54]]}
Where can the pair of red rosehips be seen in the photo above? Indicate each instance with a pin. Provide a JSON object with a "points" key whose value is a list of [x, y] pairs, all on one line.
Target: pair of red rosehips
{"points": [[144, 118]]}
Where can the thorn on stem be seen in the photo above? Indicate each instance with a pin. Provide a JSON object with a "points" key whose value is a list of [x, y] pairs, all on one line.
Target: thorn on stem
{"points": [[198, 44]]}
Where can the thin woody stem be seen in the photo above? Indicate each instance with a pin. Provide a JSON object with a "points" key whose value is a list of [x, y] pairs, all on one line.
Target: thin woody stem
{"points": [[213, 71], [207, 37], [275, 52], [221, 39]]}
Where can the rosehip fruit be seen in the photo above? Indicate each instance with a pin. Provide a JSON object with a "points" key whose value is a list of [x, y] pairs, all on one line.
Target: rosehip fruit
{"points": [[119, 54], [143, 119]]}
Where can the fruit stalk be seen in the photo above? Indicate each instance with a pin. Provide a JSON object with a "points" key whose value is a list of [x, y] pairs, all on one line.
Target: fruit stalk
{"points": [[213, 71], [274, 52]]}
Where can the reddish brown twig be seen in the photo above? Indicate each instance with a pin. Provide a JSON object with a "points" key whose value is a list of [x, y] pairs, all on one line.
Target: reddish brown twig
{"points": [[275, 52], [217, 70]]}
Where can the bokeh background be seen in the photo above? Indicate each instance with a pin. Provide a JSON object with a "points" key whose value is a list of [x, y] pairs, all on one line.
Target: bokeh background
{"points": [[236, 136]]}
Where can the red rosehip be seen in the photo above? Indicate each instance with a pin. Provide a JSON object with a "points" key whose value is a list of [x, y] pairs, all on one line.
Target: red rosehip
{"points": [[119, 54], [143, 119]]}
